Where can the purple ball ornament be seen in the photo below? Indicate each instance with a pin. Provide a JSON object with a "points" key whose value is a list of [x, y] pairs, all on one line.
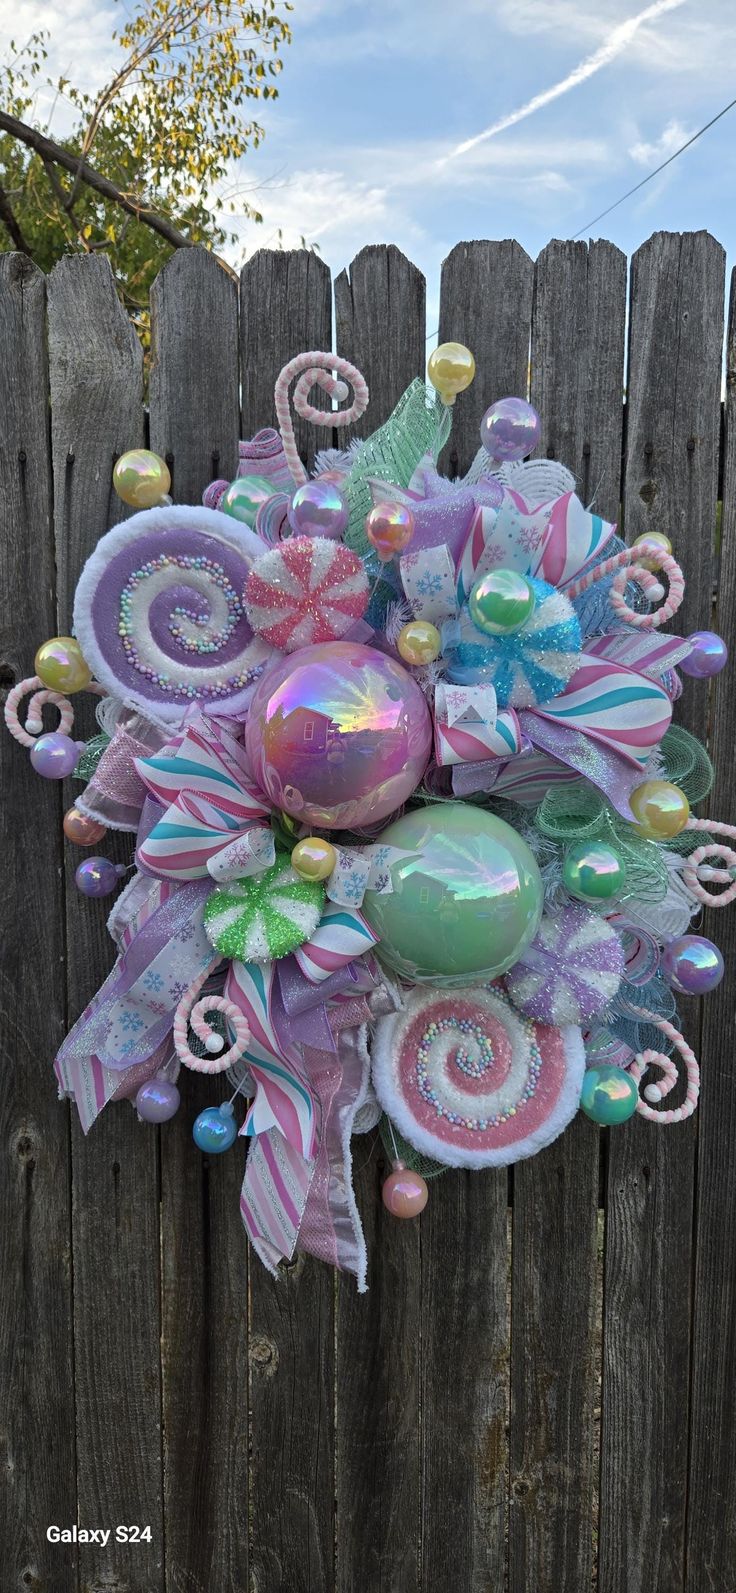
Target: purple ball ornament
{"points": [[510, 429], [708, 657], [692, 965], [338, 735], [55, 756], [318, 509], [98, 876], [157, 1101]]}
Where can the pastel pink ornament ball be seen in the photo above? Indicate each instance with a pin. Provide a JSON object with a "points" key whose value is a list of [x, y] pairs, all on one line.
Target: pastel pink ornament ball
{"points": [[405, 1193], [338, 735]]}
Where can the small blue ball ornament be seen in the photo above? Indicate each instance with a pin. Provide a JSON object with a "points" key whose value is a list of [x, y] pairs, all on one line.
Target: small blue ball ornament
{"points": [[215, 1130], [609, 1094]]}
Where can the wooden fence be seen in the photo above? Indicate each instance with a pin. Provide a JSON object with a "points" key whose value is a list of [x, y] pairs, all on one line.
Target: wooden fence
{"points": [[537, 1393]]}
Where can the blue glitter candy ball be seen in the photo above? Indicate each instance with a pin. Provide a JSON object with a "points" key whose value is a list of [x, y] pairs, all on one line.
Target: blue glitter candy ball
{"points": [[528, 667]]}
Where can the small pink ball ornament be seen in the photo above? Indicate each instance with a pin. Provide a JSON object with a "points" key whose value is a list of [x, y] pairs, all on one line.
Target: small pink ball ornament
{"points": [[510, 429], [405, 1193], [389, 528], [318, 509]]}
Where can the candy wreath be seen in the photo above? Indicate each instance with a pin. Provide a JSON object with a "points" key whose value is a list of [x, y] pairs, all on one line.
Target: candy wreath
{"points": [[414, 841]]}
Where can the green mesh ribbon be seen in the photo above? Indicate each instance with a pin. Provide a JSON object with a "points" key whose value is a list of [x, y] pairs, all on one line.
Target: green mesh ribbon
{"points": [[686, 763], [420, 424], [395, 1146], [572, 813], [89, 759]]}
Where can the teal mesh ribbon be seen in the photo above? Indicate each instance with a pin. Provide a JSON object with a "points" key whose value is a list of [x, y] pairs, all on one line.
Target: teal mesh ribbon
{"points": [[89, 759], [572, 813]]}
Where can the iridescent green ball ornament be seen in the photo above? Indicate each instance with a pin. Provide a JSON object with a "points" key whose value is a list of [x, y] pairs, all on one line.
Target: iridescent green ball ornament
{"points": [[243, 498], [593, 872], [501, 602], [609, 1094]]}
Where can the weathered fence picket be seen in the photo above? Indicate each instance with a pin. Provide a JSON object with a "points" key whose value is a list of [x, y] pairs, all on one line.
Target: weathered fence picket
{"points": [[445, 1432]]}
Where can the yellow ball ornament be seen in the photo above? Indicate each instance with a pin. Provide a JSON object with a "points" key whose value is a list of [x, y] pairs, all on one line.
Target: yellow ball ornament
{"points": [[313, 858], [661, 541], [450, 369], [419, 642], [141, 478], [661, 810], [61, 666]]}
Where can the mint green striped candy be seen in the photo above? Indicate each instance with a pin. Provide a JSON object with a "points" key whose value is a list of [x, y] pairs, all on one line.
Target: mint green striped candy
{"points": [[266, 916]]}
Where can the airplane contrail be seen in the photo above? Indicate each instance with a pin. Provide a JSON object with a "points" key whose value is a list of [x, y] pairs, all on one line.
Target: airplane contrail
{"points": [[612, 45]]}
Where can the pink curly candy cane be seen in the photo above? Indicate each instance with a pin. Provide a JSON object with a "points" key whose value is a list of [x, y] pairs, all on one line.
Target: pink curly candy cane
{"points": [[694, 872], [316, 367], [194, 1013], [34, 722], [625, 567], [668, 1069]]}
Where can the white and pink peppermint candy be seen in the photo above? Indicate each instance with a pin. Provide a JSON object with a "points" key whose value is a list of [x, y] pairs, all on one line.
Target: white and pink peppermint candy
{"points": [[305, 591], [571, 970]]}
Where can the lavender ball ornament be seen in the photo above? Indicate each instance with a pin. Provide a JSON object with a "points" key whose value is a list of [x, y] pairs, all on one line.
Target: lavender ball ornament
{"points": [[97, 876], [708, 657], [510, 429], [318, 509], [692, 965], [157, 1101], [55, 756], [338, 735]]}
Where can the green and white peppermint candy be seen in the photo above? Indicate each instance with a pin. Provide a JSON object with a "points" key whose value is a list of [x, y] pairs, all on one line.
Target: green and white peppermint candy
{"points": [[266, 916]]}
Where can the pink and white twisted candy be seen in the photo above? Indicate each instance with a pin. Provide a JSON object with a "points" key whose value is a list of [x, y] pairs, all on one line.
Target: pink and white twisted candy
{"points": [[628, 569], [695, 869], [34, 723], [191, 1012], [668, 1070], [316, 367]]}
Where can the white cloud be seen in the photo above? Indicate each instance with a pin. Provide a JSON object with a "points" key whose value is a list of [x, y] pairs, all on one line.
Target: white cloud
{"points": [[672, 137]]}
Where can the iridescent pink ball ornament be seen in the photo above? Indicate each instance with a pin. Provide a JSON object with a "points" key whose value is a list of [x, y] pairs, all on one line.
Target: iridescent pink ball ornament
{"points": [[318, 509], [405, 1192], [708, 657], [338, 735], [510, 429], [389, 528], [692, 965]]}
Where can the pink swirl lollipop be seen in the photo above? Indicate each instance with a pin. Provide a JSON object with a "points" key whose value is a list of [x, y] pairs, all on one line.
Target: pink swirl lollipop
{"points": [[159, 613], [470, 1081]]}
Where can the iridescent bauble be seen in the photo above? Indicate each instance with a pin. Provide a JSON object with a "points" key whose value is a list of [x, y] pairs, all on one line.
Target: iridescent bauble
{"points": [[318, 509], [55, 756], [244, 497], [314, 858], [81, 829], [405, 1192], [157, 1101], [708, 657], [338, 735], [61, 666], [609, 1094], [98, 876], [419, 643], [450, 369], [593, 872], [141, 478], [466, 896], [510, 429], [526, 667], [389, 528], [692, 965], [660, 540], [501, 602], [215, 1130], [660, 809]]}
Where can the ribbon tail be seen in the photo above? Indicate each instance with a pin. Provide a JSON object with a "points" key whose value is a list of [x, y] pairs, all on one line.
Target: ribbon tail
{"points": [[273, 1197]]}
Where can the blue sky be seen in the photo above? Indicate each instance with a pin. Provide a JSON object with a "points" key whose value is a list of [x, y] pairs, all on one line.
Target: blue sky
{"points": [[377, 96]]}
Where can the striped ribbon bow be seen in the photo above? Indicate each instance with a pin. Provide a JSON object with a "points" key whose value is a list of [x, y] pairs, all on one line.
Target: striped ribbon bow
{"points": [[205, 786]]}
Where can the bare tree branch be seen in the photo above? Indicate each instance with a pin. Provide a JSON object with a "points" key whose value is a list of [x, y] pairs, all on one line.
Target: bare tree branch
{"points": [[49, 150], [12, 225]]}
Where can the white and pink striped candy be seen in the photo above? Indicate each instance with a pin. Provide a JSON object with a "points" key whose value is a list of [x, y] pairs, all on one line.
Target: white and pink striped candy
{"points": [[306, 591]]}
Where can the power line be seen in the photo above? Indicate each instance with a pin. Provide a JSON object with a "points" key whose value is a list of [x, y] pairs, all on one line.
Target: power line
{"points": [[657, 170]]}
